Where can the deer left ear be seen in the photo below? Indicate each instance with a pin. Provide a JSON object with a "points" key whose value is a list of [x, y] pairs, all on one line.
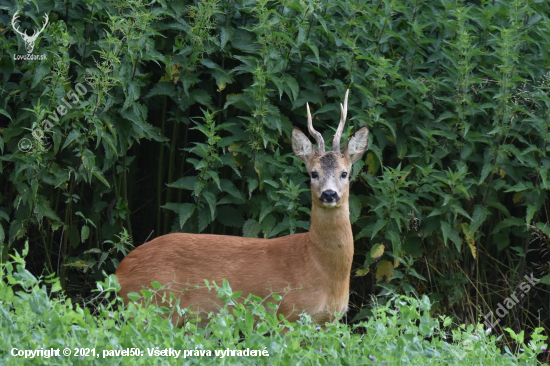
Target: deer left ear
{"points": [[357, 145], [302, 147]]}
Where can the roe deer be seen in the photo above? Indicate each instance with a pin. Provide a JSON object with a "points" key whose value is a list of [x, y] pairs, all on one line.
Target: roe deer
{"points": [[317, 262]]}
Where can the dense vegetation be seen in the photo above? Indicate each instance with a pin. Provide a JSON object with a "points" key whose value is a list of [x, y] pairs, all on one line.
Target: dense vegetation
{"points": [[184, 122], [399, 332]]}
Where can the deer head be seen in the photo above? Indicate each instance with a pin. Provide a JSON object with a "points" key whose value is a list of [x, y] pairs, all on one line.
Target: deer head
{"points": [[329, 171], [29, 40]]}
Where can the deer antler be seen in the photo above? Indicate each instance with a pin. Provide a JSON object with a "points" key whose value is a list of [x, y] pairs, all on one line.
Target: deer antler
{"points": [[338, 134], [15, 16], [24, 34], [45, 23], [35, 34], [315, 134]]}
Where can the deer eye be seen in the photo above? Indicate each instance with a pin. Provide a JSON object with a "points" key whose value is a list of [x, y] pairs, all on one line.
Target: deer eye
{"points": [[314, 175], [344, 175]]}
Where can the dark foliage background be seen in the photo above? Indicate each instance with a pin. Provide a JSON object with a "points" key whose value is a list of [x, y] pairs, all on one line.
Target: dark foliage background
{"points": [[185, 127]]}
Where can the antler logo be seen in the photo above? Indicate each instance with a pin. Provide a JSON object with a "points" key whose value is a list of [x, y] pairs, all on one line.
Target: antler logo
{"points": [[29, 40]]}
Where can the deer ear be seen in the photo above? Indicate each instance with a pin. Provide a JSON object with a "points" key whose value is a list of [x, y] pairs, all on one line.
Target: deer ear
{"points": [[357, 145], [302, 147]]}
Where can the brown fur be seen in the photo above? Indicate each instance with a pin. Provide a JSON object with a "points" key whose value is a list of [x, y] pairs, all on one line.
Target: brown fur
{"points": [[318, 263]]}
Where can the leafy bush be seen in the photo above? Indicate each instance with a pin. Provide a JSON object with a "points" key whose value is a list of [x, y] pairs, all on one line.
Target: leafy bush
{"points": [[401, 332], [189, 105]]}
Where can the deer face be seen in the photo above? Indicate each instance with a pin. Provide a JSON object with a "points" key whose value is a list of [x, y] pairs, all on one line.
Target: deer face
{"points": [[329, 179], [329, 171]]}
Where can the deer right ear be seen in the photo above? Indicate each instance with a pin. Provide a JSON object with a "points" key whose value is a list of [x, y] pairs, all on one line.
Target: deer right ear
{"points": [[357, 145], [302, 147]]}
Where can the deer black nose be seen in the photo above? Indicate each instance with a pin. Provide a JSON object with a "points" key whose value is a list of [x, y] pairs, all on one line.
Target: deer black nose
{"points": [[329, 196]]}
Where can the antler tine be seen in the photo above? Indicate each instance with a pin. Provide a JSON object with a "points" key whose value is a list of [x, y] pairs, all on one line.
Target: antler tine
{"points": [[315, 134], [338, 134], [45, 23]]}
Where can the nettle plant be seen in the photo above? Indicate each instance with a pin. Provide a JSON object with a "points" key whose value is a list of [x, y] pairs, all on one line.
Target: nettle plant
{"points": [[186, 122]]}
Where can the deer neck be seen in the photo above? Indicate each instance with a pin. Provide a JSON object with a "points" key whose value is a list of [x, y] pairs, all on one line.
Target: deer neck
{"points": [[331, 239]]}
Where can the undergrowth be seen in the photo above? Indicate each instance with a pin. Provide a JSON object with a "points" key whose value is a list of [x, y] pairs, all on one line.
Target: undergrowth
{"points": [[36, 315]]}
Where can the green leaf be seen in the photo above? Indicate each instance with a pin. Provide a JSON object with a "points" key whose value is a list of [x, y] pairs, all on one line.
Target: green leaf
{"points": [[230, 216], [39, 74], [85, 233], [5, 114], [202, 97], [4, 215], [292, 84], [210, 64], [531, 210], [393, 237], [227, 160], [104, 256], [377, 251], [222, 78], [252, 185], [500, 207], [133, 296], [267, 207], [245, 41], [480, 215], [502, 240], [271, 183], [278, 83], [280, 227], [354, 208], [93, 250], [413, 272], [184, 211], [229, 187], [211, 199], [188, 183], [56, 287], [224, 37], [73, 135], [380, 224], [215, 178], [485, 172], [251, 228], [163, 88], [364, 313], [286, 37], [315, 51], [451, 233], [133, 90], [511, 221], [204, 219]]}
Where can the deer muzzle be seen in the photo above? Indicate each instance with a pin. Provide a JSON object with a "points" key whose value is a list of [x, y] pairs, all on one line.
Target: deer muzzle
{"points": [[329, 196]]}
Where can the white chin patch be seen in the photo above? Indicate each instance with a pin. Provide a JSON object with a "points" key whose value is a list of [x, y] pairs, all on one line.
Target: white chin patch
{"points": [[329, 204]]}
